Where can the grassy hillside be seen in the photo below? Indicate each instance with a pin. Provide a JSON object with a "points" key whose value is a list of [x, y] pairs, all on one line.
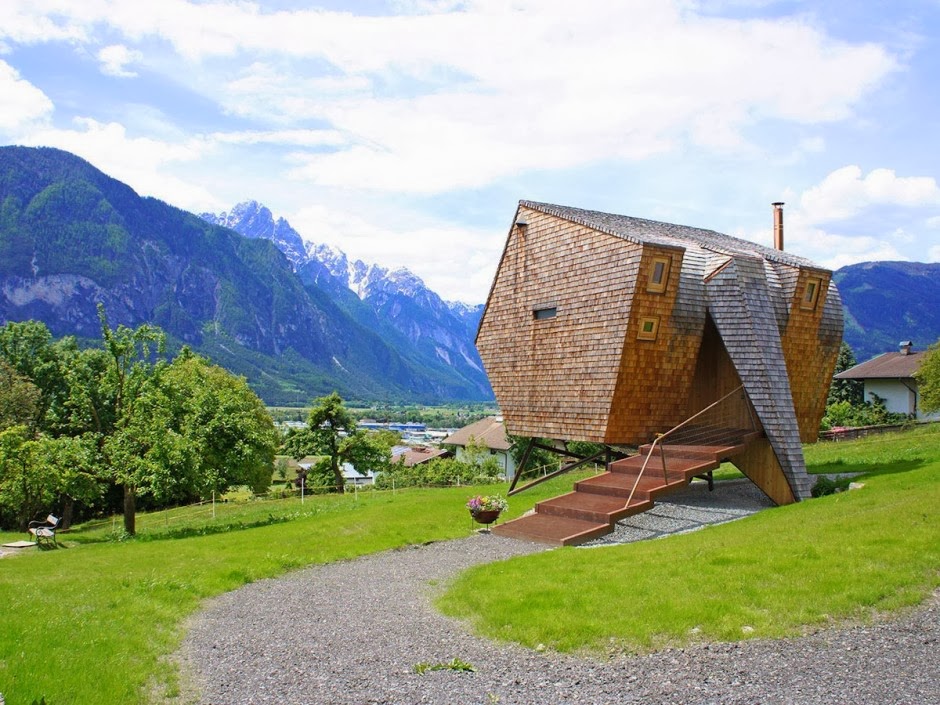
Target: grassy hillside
{"points": [[843, 557], [94, 621]]}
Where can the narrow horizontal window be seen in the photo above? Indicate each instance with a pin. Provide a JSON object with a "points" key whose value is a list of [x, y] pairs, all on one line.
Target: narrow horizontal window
{"points": [[540, 314]]}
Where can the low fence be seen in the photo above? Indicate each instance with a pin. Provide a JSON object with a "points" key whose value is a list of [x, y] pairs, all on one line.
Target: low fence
{"points": [[850, 433], [277, 504]]}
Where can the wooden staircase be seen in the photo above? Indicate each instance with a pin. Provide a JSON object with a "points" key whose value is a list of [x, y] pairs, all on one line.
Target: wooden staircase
{"points": [[599, 502]]}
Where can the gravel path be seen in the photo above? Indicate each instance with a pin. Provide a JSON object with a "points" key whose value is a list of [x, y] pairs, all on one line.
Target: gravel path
{"points": [[351, 632]]}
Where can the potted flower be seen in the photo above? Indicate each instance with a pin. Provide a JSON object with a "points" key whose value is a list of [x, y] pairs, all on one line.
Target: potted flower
{"points": [[485, 509]]}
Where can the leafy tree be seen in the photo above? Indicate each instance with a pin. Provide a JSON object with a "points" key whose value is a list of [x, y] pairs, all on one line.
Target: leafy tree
{"points": [[19, 398], [28, 481], [193, 429], [77, 463], [38, 473], [439, 472], [232, 435], [27, 347], [133, 447], [928, 379], [477, 455], [122, 414], [331, 433], [845, 390]]}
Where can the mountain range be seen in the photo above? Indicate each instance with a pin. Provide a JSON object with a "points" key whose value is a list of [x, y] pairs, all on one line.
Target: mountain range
{"points": [[887, 302], [71, 236], [395, 304], [298, 319]]}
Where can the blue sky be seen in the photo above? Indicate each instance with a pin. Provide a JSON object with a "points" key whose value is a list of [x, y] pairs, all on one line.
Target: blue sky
{"points": [[405, 132]]}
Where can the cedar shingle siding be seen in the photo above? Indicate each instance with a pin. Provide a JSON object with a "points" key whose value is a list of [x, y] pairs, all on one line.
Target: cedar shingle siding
{"points": [[624, 358]]}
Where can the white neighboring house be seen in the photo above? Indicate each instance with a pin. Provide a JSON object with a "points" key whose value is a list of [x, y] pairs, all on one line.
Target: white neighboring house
{"points": [[354, 477], [490, 433], [891, 377]]}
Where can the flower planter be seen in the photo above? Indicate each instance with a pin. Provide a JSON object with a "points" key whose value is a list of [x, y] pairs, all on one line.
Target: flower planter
{"points": [[485, 516]]}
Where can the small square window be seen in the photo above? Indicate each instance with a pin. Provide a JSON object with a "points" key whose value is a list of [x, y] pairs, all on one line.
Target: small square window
{"points": [[659, 275], [810, 294], [649, 328]]}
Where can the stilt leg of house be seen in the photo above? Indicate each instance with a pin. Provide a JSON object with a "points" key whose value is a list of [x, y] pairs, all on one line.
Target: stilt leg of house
{"points": [[521, 464]]}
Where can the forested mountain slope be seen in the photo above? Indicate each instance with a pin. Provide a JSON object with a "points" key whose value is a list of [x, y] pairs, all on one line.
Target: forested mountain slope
{"points": [[70, 237]]}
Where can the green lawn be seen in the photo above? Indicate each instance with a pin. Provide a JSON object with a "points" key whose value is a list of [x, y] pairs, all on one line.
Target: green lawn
{"points": [[777, 573], [93, 622]]}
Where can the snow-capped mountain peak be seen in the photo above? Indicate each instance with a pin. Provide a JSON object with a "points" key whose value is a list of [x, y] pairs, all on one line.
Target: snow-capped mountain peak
{"points": [[252, 219], [393, 302]]}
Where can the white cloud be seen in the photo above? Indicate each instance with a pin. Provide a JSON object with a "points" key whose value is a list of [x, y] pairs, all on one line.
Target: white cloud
{"points": [[115, 58], [294, 138], [848, 219], [450, 96], [141, 162], [833, 249], [845, 193], [21, 103], [34, 21]]}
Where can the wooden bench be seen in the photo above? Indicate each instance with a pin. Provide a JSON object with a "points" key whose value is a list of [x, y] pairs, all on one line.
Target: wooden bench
{"points": [[44, 530]]}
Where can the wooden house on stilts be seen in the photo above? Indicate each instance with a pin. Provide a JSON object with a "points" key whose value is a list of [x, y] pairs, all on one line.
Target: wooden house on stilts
{"points": [[686, 346]]}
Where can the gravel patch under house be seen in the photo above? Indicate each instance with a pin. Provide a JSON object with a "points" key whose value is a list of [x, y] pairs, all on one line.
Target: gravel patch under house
{"points": [[351, 632]]}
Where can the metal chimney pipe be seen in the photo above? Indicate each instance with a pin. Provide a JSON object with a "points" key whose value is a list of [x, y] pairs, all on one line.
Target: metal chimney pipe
{"points": [[778, 225]]}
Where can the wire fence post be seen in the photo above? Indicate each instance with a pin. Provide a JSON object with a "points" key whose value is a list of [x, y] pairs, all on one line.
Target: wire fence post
{"points": [[303, 482], [213, 504]]}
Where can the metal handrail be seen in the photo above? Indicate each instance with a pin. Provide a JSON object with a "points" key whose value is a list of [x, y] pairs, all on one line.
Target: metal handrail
{"points": [[659, 441]]}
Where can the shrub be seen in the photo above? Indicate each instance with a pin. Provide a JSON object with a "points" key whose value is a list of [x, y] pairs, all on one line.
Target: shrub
{"points": [[440, 472], [830, 485]]}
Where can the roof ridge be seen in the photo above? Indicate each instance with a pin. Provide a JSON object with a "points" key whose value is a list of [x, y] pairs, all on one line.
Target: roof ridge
{"points": [[643, 231]]}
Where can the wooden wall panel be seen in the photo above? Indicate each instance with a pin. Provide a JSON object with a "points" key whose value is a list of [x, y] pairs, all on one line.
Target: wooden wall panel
{"points": [[655, 376], [715, 375], [760, 464], [555, 377], [810, 349]]}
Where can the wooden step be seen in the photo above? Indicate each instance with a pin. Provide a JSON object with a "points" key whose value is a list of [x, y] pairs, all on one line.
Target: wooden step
{"points": [[676, 467], [593, 507], [620, 485], [554, 530], [677, 451]]}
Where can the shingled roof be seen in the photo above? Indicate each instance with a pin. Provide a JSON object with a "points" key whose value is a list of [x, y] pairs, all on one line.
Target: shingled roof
{"points": [[741, 306], [489, 432], [893, 365], [643, 231]]}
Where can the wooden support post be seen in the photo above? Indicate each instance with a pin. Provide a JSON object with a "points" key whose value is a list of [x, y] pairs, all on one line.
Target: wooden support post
{"points": [[560, 471], [522, 462]]}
